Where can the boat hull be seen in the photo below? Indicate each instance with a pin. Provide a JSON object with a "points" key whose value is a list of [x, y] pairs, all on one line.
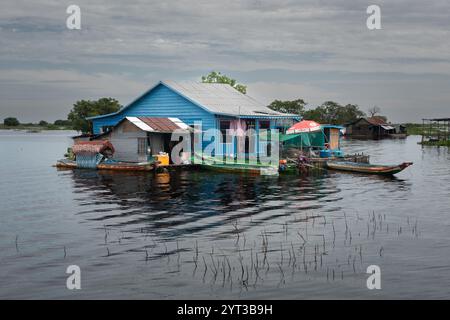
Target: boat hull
{"points": [[115, 166], [208, 163], [367, 168]]}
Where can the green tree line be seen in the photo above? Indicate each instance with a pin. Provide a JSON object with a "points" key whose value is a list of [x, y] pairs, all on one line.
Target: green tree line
{"points": [[329, 112], [15, 123]]}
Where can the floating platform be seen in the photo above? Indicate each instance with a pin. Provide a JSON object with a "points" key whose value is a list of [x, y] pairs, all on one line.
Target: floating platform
{"points": [[115, 166]]}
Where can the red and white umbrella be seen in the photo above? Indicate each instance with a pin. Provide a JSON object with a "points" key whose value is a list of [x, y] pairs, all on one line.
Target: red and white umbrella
{"points": [[304, 126]]}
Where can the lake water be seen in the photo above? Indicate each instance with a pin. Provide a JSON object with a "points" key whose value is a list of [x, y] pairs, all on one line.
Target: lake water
{"points": [[210, 235]]}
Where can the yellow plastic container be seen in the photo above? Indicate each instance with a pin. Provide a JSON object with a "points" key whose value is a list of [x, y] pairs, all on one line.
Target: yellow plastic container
{"points": [[163, 159]]}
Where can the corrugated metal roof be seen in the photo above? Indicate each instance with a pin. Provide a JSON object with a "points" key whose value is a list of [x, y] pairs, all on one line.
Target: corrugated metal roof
{"points": [[162, 125], [376, 121], [92, 147], [216, 98], [222, 99]]}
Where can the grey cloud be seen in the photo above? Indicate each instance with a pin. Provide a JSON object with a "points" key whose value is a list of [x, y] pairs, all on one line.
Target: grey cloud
{"points": [[322, 48]]}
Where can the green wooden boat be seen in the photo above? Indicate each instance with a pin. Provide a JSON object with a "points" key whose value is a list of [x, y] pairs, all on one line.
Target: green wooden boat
{"points": [[367, 167], [232, 166]]}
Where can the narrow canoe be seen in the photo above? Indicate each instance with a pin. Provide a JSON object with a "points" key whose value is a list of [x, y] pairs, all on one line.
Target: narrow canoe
{"points": [[367, 167]]}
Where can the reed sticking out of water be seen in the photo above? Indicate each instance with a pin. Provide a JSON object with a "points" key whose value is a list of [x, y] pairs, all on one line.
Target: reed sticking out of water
{"points": [[282, 273], [65, 252], [178, 254], [334, 233], [106, 235], [196, 254], [204, 262], [281, 253], [17, 243], [300, 235]]}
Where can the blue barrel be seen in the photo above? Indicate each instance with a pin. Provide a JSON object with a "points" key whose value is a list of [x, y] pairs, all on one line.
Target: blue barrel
{"points": [[325, 153], [338, 153]]}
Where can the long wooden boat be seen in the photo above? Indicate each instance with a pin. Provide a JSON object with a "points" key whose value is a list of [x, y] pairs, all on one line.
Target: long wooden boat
{"points": [[367, 167], [231, 166], [116, 165], [322, 162], [316, 164]]}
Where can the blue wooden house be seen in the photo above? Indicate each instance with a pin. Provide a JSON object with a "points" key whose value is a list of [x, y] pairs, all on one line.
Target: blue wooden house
{"points": [[216, 105]]}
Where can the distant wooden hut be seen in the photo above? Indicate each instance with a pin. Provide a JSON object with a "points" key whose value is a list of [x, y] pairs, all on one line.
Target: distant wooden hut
{"points": [[436, 131], [370, 128]]}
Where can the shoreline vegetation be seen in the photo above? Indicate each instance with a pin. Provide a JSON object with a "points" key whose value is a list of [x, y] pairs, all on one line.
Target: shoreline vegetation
{"points": [[32, 127], [12, 123], [424, 130], [441, 143]]}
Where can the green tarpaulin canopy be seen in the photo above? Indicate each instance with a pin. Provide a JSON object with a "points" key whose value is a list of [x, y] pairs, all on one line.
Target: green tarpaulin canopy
{"points": [[310, 139]]}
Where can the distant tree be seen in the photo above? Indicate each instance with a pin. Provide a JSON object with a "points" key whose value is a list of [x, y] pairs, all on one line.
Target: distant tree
{"points": [[374, 111], [314, 115], [62, 123], [350, 113], [384, 118], [331, 112], [217, 77], [87, 108], [11, 122], [294, 106], [43, 123]]}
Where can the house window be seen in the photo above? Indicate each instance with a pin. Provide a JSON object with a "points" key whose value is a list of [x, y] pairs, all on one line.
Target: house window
{"points": [[264, 124], [224, 126], [250, 123], [142, 146], [107, 128]]}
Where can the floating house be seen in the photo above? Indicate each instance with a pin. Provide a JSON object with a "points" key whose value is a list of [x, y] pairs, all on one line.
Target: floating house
{"points": [[216, 106], [370, 128], [136, 139]]}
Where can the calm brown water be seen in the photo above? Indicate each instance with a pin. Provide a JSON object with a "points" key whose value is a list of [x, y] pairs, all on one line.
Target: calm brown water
{"points": [[206, 235]]}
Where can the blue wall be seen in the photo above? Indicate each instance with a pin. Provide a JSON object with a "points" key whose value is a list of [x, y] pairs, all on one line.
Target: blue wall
{"points": [[160, 102]]}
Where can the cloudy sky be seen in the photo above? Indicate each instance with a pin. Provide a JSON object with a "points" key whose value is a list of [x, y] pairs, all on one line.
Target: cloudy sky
{"points": [[284, 49]]}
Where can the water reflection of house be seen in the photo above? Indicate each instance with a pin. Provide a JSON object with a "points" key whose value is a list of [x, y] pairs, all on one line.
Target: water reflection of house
{"points": [[372, 127], [217, 106]]}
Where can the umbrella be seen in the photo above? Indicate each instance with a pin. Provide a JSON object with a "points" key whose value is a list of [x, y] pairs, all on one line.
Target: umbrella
{"points": [[304, 127]]}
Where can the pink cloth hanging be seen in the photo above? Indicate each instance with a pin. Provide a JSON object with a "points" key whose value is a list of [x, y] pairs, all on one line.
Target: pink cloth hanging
{"points": [[239, 128]]}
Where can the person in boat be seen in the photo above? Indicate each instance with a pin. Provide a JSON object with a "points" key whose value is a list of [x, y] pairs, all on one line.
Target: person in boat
{"points": [[303, 163]]}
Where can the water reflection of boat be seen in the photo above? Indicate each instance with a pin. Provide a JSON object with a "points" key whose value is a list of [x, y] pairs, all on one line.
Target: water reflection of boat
{"points": [[367, 167]]}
